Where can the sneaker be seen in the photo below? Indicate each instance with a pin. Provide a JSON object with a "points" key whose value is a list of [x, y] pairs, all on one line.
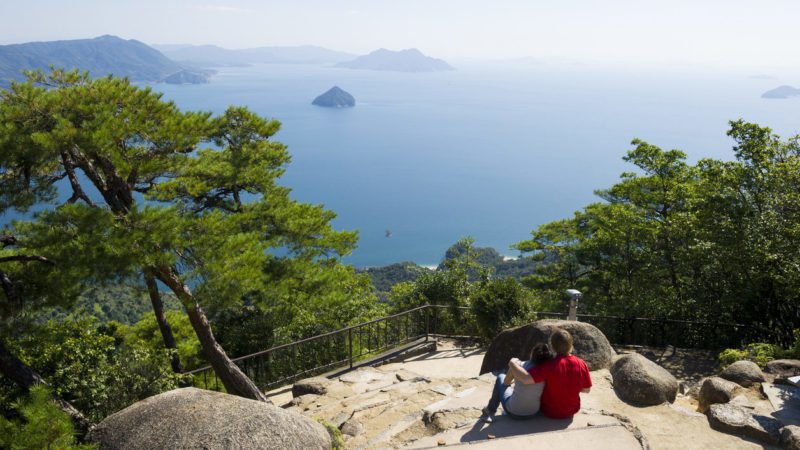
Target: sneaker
{"points": [[486, 416]]}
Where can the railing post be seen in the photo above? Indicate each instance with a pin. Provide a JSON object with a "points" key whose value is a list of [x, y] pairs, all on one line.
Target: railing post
{"points": [[427, 323], [350, 339]]}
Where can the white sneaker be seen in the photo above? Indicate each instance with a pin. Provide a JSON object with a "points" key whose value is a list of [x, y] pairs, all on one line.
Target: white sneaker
{"points": [[485, 416]]}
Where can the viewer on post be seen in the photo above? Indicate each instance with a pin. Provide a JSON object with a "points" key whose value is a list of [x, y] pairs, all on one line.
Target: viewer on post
{"points": [[520, 401], [565, 377]]}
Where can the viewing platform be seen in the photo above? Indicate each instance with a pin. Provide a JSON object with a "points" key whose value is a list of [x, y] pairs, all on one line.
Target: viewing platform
{"points": [[434, 399]]}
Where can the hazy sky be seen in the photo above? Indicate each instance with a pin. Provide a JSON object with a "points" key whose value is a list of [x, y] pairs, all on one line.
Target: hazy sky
{"points": [[714, 32]]}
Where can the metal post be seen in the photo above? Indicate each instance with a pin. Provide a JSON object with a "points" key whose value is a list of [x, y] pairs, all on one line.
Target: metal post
{"points": [[427, 323], [350, 338]]}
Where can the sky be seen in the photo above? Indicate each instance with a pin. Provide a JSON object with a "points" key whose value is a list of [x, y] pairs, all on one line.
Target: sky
{"points": [[709, 32]]}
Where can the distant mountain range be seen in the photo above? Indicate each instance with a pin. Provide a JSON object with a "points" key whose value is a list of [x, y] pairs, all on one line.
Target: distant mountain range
{"points": [[100, 56], [179, 64], [409, 60], [211, 55]]}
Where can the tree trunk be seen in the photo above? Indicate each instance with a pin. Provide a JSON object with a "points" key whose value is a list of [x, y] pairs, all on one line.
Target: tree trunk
{"points": [[161, 318], [25, 377], [234, 380]]}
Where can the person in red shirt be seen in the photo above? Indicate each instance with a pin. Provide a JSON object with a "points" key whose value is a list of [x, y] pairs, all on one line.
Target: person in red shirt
{"points": [[565, 377]]}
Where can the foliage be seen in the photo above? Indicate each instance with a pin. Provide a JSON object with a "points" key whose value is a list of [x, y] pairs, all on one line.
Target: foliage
{"points": [[384, 277], [91, 365], [41, 425], [760, 353], [337, 440], [499, 304], [125, 302], [715, 241], [145, 333]]}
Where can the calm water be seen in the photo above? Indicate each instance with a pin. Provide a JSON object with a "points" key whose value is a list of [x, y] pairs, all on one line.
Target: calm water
{"points": [[484, 151]]}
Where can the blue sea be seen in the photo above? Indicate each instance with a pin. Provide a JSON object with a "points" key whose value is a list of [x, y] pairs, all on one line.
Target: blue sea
{"points": [[489, 150]]}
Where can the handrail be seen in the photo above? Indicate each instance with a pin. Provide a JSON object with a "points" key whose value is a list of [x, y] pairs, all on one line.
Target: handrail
{"points": [[355, 342], [328, 334]]}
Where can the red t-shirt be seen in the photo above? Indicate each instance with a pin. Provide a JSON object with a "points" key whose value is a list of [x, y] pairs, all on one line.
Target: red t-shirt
{"points": [[564, 377]]}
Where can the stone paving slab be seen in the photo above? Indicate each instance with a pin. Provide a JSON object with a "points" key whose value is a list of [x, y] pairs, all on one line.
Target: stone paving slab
{"points": [[786, 401], [607, 437], [505, 427]]}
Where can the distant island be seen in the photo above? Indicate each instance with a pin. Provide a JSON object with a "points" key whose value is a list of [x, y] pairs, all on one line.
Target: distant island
{"points": [[101, 56], [213, 56], [335, 97], [782, 92], [409, 60]]}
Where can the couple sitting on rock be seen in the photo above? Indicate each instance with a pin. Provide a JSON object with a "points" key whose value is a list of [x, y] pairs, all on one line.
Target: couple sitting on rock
{"points": [[550, 382]]}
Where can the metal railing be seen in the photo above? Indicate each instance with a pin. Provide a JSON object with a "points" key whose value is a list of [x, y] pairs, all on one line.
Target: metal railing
{"points": [[285, 363], [282, 364]]}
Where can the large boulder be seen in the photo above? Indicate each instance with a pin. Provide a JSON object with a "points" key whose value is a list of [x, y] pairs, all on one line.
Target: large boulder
{"points": [[784, 368], [716, 390], [315, 385], [195, 418], [639, 381], [736, 420], [590, 344], [745, 373]]}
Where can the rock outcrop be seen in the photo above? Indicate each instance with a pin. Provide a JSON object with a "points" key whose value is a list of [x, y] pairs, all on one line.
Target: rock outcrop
{"points": [[196, 418], [745, 373], [783, 367], [315, 385], [639, 381], [790, 437], [736, 420], [590, 344], [716, 390]]}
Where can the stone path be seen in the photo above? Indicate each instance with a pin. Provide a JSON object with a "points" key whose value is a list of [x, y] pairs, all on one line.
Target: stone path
{"points": [[436, 398]]}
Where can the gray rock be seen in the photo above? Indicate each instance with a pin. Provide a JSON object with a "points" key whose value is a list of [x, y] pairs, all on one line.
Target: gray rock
{"points": [[733, 419], [745, 373], [590, 344], [195, 418], [783, 368], [716, 390], [639, 381], [352, 428], [790, 437], [315, 385]]}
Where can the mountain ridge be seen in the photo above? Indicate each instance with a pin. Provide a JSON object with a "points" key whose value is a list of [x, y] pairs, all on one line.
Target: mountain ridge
{"points": [[408, 60], [101, 56]]}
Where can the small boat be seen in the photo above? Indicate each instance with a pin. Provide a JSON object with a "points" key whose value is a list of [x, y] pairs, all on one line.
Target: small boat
{"points": [[388, 233]]}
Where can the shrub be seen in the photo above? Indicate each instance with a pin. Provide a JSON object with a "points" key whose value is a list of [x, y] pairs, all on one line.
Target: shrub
{"points": [[41, 425], [759, 353], [497, 305], [93, 367]]}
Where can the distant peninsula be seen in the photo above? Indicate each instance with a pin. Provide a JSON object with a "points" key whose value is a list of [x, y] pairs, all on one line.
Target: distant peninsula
{"points": [[782, 92], [101, 56], [409, 60], [335, 97]]}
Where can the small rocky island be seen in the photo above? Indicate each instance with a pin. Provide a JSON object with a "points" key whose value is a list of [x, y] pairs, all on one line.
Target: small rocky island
{"points": [[782, 92], [335, 97]]}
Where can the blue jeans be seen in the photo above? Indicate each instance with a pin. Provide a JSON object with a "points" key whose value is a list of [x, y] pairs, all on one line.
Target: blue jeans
{"points": [[500, 395]]}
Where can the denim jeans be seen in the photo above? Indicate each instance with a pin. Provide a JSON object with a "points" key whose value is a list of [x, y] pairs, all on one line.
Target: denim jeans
{"points": [[500, 395]]}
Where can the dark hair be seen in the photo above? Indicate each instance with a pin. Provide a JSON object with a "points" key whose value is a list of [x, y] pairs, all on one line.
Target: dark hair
{"points": [[561, 341], [541, 353]]}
